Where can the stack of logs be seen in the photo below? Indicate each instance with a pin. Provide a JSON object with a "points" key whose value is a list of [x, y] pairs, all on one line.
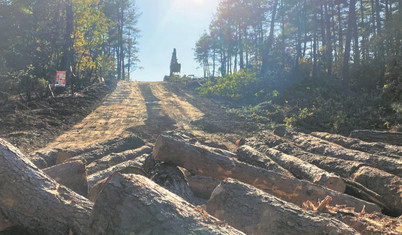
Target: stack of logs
{"points": [[289, 184]]}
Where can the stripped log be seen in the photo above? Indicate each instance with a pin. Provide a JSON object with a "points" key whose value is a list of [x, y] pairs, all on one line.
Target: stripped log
{"points": [[251, 156], [255, 212], [71, 174], [133, 204], [386, 185], [30, 199], [394, 138], [316, 145], [116, 158], [98, 176], [302, 169], [357, 144], [199, 159], [91, 153]]}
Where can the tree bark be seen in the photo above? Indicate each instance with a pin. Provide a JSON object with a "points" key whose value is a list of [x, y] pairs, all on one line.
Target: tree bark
{"points": [[305, 170], [255, 212], [251, 156], [357, 144], [116, 158], [103, 174], [346, 57], [116, 211], [30, 199], [394, 138], [91, 153], [72, 174], [200, 159], [386, 185], [318, 146]]}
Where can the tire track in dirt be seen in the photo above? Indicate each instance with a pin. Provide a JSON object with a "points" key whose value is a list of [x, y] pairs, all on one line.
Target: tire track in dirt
{"points": [[146, 109]]}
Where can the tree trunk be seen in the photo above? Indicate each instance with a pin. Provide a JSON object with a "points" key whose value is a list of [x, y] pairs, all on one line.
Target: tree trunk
{"points": [[383, 183], [318, 146], [91, 153], [307, 171], [116, 158], [98, 176], [200, 159], [356, 144], [346, 57], [30, 199], [253, 157], [256, 212], [394, 138], [116, 210], [72, 174]]}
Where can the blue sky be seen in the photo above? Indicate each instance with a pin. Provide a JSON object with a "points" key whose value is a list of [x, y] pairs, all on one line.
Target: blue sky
{"points": [[168, 24]]}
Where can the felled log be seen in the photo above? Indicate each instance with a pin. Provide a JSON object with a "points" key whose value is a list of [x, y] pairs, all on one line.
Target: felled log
{"points": [[72, 174], [394, 138], [91, 153], [381, 182], [299, 168], [29, 198], [255, 212], [199, 159], [116, 210], [304, 170], [38, 161], [251, 156], [98, 176], [316, 145], [98, 187], [357, 144], [387, 185], [116, 158]]}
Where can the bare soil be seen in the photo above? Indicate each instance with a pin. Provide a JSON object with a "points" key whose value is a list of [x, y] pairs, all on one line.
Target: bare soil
{"points": [[105, 112]]}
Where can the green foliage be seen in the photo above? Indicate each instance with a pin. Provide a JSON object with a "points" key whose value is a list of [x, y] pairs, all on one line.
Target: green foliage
{"points": [[243, 84]]}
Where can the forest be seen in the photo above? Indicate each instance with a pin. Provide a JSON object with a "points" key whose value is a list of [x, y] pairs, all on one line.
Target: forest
{"points": [[89, 39], [336, 61]]}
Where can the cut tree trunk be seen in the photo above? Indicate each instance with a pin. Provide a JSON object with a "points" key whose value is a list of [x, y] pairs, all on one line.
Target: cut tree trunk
{"points": [[200, 159], [91, 153], [98, 187], [255, 212], [318, 146], [72, 174], [357, 144], [394, 138], [30, 199], [116, 158], [388, 186], [98, 176], [299, 168], [251, 156], [133, 204]]}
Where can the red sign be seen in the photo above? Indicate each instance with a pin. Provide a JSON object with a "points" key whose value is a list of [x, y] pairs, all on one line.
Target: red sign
{"points": [[60, 79]]}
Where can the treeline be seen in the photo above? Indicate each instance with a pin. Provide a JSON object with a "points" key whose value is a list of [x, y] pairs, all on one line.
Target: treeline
{"points": [[90, 39], [343, 47], [358, 41]]}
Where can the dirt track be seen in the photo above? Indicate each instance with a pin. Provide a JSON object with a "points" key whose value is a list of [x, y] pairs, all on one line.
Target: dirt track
{"points": [[148, 109]]}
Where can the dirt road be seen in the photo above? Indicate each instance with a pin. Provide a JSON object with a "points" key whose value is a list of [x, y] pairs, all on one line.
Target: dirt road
{"points": [[147, 109]]}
